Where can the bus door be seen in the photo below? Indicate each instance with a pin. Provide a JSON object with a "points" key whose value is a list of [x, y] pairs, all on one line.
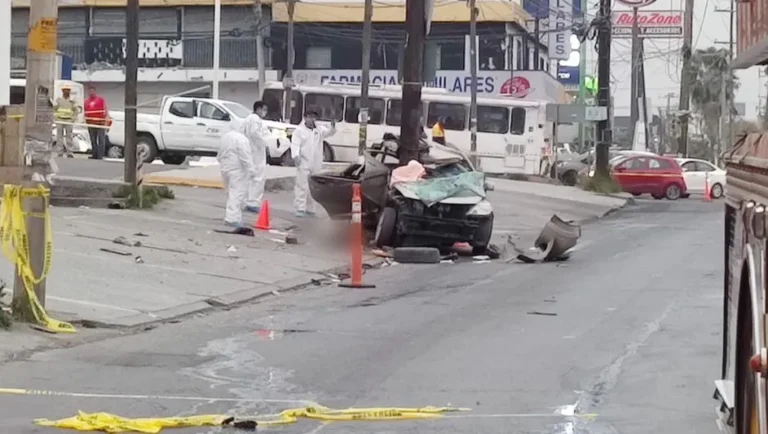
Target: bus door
{"points": [[516, 151], [492, 131]]}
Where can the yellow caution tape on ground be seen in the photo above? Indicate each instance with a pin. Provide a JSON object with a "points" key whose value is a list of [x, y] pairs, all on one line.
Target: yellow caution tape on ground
{"points": [[111, 423], [15, 245]]}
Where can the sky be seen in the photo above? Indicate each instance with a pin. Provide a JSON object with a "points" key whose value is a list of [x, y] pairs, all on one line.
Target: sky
{"points": [[663, 61]]}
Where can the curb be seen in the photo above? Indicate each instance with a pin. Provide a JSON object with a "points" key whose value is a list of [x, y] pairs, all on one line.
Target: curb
{"points": [[271, 184], [222, 302]]}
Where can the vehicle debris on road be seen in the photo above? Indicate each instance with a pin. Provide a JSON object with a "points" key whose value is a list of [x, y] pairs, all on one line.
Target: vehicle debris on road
{"points": [[554, 243]]}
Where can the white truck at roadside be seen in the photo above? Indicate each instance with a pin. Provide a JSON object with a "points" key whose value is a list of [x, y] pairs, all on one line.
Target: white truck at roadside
{"points": [[193, 127]]}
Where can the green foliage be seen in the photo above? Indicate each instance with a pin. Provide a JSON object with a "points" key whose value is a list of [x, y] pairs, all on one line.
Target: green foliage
{"points": [[5, 320], [600, 184], [152, 194]]}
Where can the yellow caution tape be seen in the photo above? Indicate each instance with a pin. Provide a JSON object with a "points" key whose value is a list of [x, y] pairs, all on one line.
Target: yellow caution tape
{"points": [[15, 245], [111, 423]]}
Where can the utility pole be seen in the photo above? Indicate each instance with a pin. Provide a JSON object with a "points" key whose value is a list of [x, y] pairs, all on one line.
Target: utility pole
{"points": [[288, 79], [582, 73], [216, 46], [365, 79], [724, 108], [260, 62], [603, 136], [686, 80], [131, 84], [473, 90], [537, 41], [41, 61], [410, 121], [731, 44], [635, 68], [642, 92]]}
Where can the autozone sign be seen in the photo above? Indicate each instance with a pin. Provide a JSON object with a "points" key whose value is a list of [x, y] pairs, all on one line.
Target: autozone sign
{"points": [[650, 24]]}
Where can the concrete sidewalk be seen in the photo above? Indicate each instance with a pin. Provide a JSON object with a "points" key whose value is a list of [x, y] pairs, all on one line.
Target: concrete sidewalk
{"points": [[278, 177], [184, 266]]}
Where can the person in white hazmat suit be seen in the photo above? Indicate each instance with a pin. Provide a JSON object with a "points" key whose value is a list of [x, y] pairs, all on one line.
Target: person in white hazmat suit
{"points": [[257, 133], [237, 170], [307, 152]]}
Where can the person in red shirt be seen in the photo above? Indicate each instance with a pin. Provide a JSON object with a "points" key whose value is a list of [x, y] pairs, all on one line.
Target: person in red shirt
{"points": [[96, 115]]}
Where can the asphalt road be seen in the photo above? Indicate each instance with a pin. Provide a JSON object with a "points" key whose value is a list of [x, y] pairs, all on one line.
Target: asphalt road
{"points": [[630, 334]]}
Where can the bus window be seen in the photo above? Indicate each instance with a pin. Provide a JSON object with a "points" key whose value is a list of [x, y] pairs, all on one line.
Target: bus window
{"points": [[394, 112], [517, 123], [274, 100], [492, 119], [17, 95], [328, 107], [455, 115], [375, 110]]}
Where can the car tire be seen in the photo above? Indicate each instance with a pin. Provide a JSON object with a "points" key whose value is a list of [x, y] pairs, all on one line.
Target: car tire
{"points": [[483, 236], [417, 255], [673, 192], [386, 229], [570, 178], [287, 159], [174, 159], [716, 192], [328, 155], [636, 194], [148, 142], [114, 151]]}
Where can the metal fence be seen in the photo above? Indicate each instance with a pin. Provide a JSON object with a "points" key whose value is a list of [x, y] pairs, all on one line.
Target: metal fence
{"points": [[197, 52]]}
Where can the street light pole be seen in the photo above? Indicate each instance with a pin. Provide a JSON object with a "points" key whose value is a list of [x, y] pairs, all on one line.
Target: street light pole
{"points": [[473, 90], [216, 46], [365, 78]]}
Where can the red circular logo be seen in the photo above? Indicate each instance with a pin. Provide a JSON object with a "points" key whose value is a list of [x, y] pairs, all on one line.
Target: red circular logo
{"points": [[517, 87], [636, 3]]}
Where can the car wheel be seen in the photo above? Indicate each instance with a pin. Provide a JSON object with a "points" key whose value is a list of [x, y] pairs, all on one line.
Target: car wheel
{"points": [[636, 194], [115, 152], [570, 178], [483, 236], [716, 192], [386, 228], [174, 159], [149, 146], [328, 154], [416, 255], [673, 192], [287, 159]]}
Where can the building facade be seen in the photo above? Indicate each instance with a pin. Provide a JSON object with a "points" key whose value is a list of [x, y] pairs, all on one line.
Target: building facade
{"points": [[176, 47]]}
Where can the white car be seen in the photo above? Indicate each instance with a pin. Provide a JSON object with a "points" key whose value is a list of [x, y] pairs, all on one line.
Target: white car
{"points": [[699, 173]]}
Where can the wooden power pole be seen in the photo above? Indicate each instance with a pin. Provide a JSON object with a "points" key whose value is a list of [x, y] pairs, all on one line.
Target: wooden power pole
{"points": [[260, 61], [365, 78], [603, 134], [41, 61], [288, 79], [410, 119], [131, 85], [686, 79], [473, 89]]}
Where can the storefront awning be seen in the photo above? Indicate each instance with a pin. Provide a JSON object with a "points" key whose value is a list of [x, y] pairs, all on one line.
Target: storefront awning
{"points": [[754, 55]]}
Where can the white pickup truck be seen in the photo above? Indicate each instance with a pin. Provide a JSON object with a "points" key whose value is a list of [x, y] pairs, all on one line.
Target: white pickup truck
{"points": [[193, 127]]}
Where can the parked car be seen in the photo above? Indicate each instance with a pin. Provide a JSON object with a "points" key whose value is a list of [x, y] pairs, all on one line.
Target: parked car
{"points": [[402, 214], [655, 175], [568, 170], [696, 173], [193, 127]]}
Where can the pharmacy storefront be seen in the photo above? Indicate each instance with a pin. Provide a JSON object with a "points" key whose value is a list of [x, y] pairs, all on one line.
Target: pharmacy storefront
{"points": [[528, 85]]}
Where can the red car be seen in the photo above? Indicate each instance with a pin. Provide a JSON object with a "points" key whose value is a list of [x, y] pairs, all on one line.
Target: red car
{"points": [[660, 176]]}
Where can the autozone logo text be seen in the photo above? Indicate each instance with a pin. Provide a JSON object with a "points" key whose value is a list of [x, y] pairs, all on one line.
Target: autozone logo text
{"points": [[650, 19]]}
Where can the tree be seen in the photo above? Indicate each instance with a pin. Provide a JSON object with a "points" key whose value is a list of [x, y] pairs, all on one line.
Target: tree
{"points": [[710, 67]]}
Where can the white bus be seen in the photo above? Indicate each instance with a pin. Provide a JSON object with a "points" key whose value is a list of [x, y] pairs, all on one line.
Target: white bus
{"points": [[511, 133]]}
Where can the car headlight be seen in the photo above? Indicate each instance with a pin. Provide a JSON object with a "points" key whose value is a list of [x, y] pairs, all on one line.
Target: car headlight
{"points": [[483, 208]]}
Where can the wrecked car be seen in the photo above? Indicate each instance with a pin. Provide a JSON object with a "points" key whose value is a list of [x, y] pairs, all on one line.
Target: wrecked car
{"points": [[445, 205]]}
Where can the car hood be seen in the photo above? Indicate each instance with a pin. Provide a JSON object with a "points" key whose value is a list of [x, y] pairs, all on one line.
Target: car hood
{"points": [[465, 188]]}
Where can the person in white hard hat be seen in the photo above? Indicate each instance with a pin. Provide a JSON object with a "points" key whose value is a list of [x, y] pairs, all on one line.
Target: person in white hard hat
{"points": [[307, 151]]}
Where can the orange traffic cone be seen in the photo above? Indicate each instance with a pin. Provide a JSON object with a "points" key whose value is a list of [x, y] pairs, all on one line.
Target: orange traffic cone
{"points": [[707, 190], [263, 222], [356, 249]]}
